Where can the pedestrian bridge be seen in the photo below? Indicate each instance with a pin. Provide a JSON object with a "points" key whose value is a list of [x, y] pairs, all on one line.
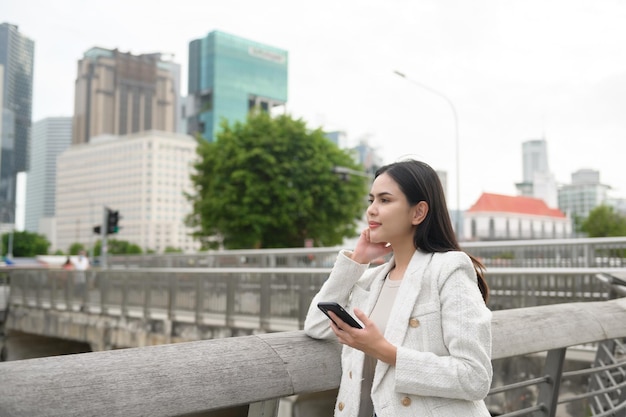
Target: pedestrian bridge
{"points": [[549, 299], [154, 299], [135, 307]]}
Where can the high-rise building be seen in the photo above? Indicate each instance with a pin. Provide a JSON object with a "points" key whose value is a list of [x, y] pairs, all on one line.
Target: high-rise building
{"points": [[367, 156], [51, 136], [118, 93], [534, 158], [229, 76], [144, 176], [537, 181], [16, 57], [585, 193]]}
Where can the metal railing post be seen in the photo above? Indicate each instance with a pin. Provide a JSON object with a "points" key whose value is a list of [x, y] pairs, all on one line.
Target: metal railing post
{"points": [[549, 391]]}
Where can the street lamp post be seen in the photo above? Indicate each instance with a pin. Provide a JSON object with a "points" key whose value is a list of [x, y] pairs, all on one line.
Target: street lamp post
{"points": [[456, 143]]}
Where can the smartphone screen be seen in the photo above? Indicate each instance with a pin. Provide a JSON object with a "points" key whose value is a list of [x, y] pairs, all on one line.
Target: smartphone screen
{"points": [[327, 306]]}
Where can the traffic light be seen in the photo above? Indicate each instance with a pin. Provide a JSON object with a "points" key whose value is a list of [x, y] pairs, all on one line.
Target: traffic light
{"points": [[113, 217]]}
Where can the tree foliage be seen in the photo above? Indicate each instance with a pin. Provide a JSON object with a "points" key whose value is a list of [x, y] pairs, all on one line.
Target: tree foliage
{"points": [[604, 221], [76, 247], [270, 183], [26, 244], [117, 247]]}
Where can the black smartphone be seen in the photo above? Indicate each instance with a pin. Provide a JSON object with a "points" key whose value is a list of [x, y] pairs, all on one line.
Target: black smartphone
{"points": [[327, 306]]}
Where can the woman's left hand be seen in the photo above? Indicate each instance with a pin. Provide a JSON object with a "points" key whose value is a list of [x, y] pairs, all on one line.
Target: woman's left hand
{"points": [[369, 339]]}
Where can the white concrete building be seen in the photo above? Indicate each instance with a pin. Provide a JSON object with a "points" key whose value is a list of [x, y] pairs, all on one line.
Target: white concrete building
{"points": [[585, 193], [144, 176], [502, 217]]}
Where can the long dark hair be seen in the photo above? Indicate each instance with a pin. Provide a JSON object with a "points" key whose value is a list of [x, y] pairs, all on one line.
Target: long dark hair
{"points": [[419, 182]]}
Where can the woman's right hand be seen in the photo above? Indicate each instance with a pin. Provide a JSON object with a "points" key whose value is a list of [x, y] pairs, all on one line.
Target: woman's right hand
{"points": [[366, 251]]}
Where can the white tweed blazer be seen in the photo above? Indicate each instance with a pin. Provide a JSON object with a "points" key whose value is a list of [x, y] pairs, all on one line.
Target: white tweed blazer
{"points": [[440, 325]]}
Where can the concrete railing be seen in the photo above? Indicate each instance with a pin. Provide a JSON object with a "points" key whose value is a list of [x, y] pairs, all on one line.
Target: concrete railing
{"points": [[123, 308], [255, 372]]}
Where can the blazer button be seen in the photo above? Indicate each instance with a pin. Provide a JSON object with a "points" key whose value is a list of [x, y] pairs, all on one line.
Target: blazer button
{"points": [[406, 401], [414, 322], [350, 374], [340, 406]]}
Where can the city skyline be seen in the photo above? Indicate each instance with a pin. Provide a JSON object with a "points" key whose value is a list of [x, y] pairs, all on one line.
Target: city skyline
{"points": [[514, 71]]}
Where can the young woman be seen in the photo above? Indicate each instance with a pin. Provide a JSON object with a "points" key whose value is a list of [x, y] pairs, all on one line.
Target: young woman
{"points": [[425, 345]]}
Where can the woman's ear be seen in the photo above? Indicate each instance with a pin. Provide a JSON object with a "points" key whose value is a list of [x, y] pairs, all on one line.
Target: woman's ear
{"points": [[419, 212]]}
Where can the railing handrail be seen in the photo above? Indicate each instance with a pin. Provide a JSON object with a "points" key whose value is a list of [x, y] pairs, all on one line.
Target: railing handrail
{"points": [[463, 244], [583, 252], [178, 379]]}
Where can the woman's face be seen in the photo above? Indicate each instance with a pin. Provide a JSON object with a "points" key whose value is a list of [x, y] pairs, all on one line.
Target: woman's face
{"points": [[390, 217]]}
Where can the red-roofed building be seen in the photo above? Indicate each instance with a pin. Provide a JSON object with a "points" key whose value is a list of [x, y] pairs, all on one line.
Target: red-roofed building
{"points": [[503, 217]]}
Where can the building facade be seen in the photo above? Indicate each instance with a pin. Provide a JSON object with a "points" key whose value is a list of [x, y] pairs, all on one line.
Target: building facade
{"points": [[118, 93], [144, 176], [50, 137], [585, 193], [537, 179], [502, 217], [229, 76], [16, 57]]}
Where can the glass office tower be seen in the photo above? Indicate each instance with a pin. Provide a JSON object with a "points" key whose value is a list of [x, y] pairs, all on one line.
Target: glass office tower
{"points": [[16, 57], [228, 76]]}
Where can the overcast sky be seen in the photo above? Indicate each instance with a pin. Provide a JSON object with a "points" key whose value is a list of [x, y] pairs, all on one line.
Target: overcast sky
{"points": [[513, 71]]}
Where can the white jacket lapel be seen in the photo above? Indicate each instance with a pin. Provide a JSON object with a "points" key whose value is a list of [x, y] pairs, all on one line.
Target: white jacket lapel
{"points": [[400, 314]]}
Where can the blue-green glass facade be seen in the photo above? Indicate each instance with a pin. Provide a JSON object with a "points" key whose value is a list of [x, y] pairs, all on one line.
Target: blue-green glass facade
{"points": [[228, 76]]}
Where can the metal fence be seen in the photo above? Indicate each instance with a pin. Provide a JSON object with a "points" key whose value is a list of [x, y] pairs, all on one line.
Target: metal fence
{"points": [[549, 253]]}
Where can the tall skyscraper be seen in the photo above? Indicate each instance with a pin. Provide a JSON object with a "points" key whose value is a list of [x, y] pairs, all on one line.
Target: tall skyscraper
{"points": [[16, 56], [534, 158], [538, 181], [119, 93], [229, 76], [51, 136]]}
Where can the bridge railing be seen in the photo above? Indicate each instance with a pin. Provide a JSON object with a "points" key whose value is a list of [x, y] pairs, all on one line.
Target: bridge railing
{"points": [[579, 253], [269, 299], [248, 376]]}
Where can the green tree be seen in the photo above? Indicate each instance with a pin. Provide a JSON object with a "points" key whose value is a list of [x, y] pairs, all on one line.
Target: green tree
{"points": [[270, 183], [117, 247], [26, 244], [75, 248], [604, 221], [171, 249]]}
